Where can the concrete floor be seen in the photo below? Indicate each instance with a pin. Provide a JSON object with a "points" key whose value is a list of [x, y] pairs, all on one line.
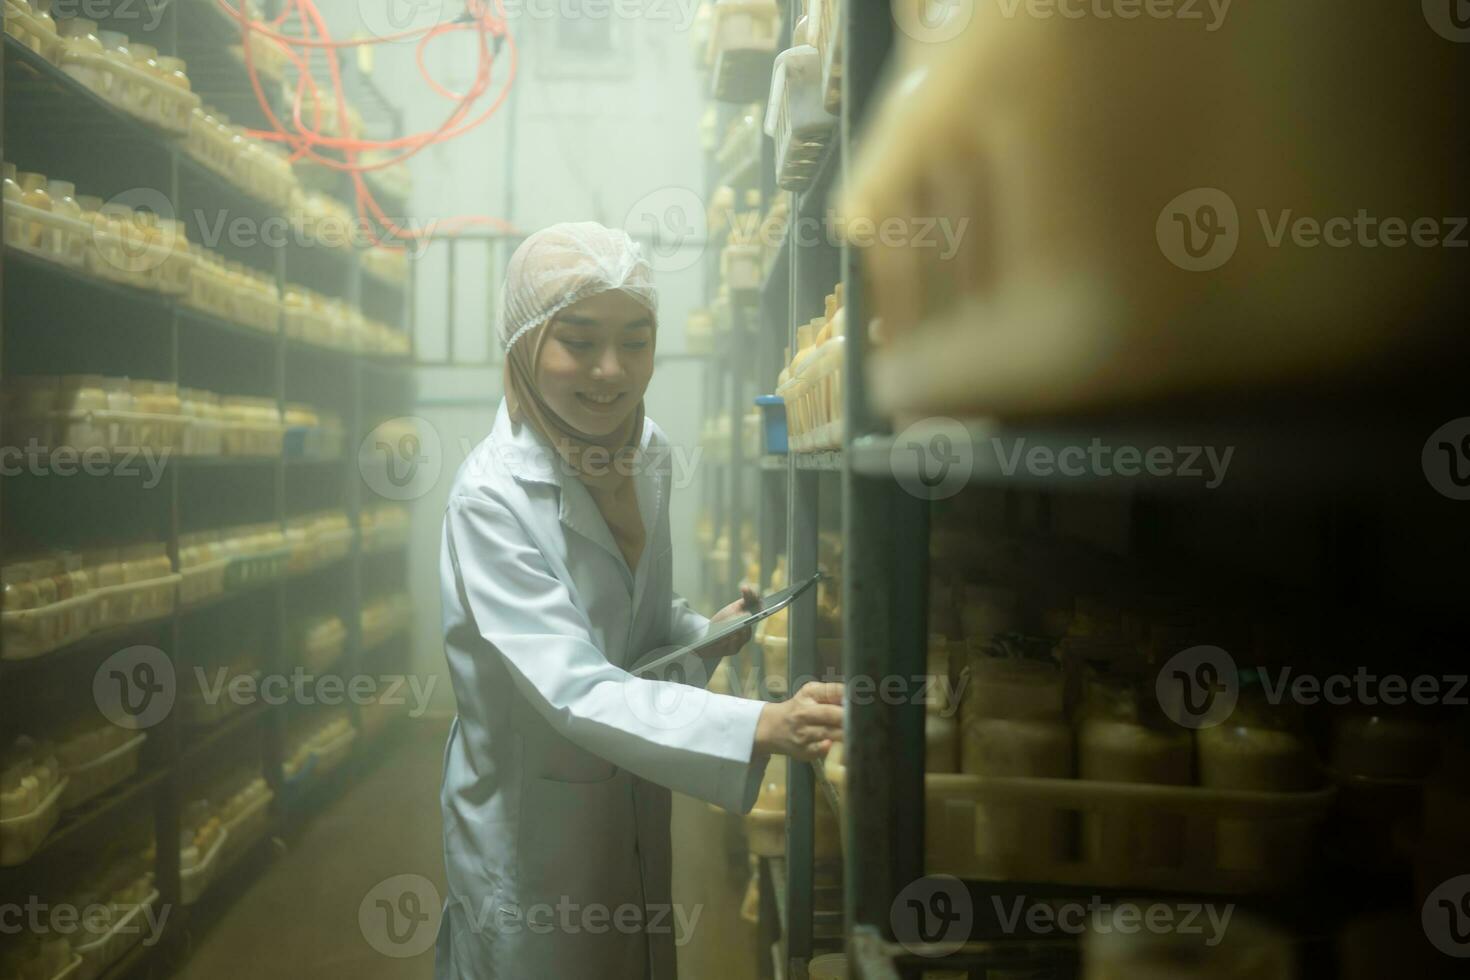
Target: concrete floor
{"points": [[299, 917]]}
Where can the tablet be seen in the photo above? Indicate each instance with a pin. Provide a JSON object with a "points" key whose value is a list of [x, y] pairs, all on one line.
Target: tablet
{"points": [[769, 605]]}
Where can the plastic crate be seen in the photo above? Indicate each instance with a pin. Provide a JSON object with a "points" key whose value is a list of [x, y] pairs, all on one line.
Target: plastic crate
{"points": [[23, 26], [196, 880], [20, 837], [796, 120], [135, 91], [246, 829], [203, 581], [331, 754], [89, 781], [125, 933], [30, 633], [57, 237]]}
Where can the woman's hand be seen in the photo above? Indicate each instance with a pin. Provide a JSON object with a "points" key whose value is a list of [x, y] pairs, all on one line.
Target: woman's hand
{"points": [[804, 726], [748, 602]]}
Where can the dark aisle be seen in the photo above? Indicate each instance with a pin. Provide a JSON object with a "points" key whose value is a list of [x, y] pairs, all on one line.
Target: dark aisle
{"points": [[300, 917], [379, 841]]}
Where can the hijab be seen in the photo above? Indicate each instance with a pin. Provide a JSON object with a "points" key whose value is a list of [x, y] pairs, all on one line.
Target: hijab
{"points": [[550, 271]]}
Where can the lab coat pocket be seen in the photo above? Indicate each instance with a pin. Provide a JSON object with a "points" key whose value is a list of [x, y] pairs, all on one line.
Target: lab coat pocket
{"points": [[578, 840]]}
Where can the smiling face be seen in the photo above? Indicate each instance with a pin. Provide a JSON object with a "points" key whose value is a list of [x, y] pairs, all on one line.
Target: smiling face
{"points": [[596, 361]]}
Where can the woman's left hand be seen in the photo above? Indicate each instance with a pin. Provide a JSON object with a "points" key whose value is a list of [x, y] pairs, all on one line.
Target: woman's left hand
{"points": [[748, 602]]}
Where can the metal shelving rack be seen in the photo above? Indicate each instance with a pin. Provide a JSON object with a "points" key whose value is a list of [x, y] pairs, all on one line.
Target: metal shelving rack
{"points": [[60, 321], [1289, 446]]}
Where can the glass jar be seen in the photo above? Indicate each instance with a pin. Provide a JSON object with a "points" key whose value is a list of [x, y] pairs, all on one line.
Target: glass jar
{"points": [[121, 394], [33, 194], [145, 56], [19, 590], [78, 393], [1257, 749], [115, 82], [64, 203], [81, 51], [12, 186], [1380, 759], [175, 72], [1383, 745], [1012, 726], [1115, 744], [104, 567], [941, 742]]}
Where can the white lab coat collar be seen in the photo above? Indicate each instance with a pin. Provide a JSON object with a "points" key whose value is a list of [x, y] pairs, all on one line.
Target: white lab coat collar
{"points": [[530, 460]]}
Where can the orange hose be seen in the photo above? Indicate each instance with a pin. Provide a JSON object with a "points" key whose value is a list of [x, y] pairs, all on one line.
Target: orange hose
{"points": [[304, 140]]}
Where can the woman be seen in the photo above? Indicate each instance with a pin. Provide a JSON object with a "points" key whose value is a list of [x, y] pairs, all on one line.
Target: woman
{"points": [[556, 578]]}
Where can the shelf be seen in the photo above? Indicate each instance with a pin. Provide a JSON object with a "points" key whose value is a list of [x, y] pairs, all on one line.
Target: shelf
{"points": [[68, 278], [116, 637], [203, 740], [131, 961], [41, 99], [1319, 449], [775, 462], [229, 595], [92, 814], [305, 348], [208, 324], [319, 567], [201, 189], [396, 548]]}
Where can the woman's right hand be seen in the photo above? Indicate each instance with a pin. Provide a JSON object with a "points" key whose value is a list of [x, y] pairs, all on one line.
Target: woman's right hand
{"points": [[804, 726]]}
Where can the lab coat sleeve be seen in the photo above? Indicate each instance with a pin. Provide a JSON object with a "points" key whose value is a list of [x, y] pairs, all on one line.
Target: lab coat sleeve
{"points": [[685, 625], [679, 736]]}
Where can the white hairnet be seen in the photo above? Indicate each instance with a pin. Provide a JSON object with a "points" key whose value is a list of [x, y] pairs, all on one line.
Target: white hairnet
{"points": [[565, 263]]}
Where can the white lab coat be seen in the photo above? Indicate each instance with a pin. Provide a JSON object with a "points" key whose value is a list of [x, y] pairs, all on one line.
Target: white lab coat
{"points": [[557, 773]]}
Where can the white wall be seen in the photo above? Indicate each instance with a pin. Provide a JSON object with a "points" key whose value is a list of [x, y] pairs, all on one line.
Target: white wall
{"points": [[592, 138]]}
